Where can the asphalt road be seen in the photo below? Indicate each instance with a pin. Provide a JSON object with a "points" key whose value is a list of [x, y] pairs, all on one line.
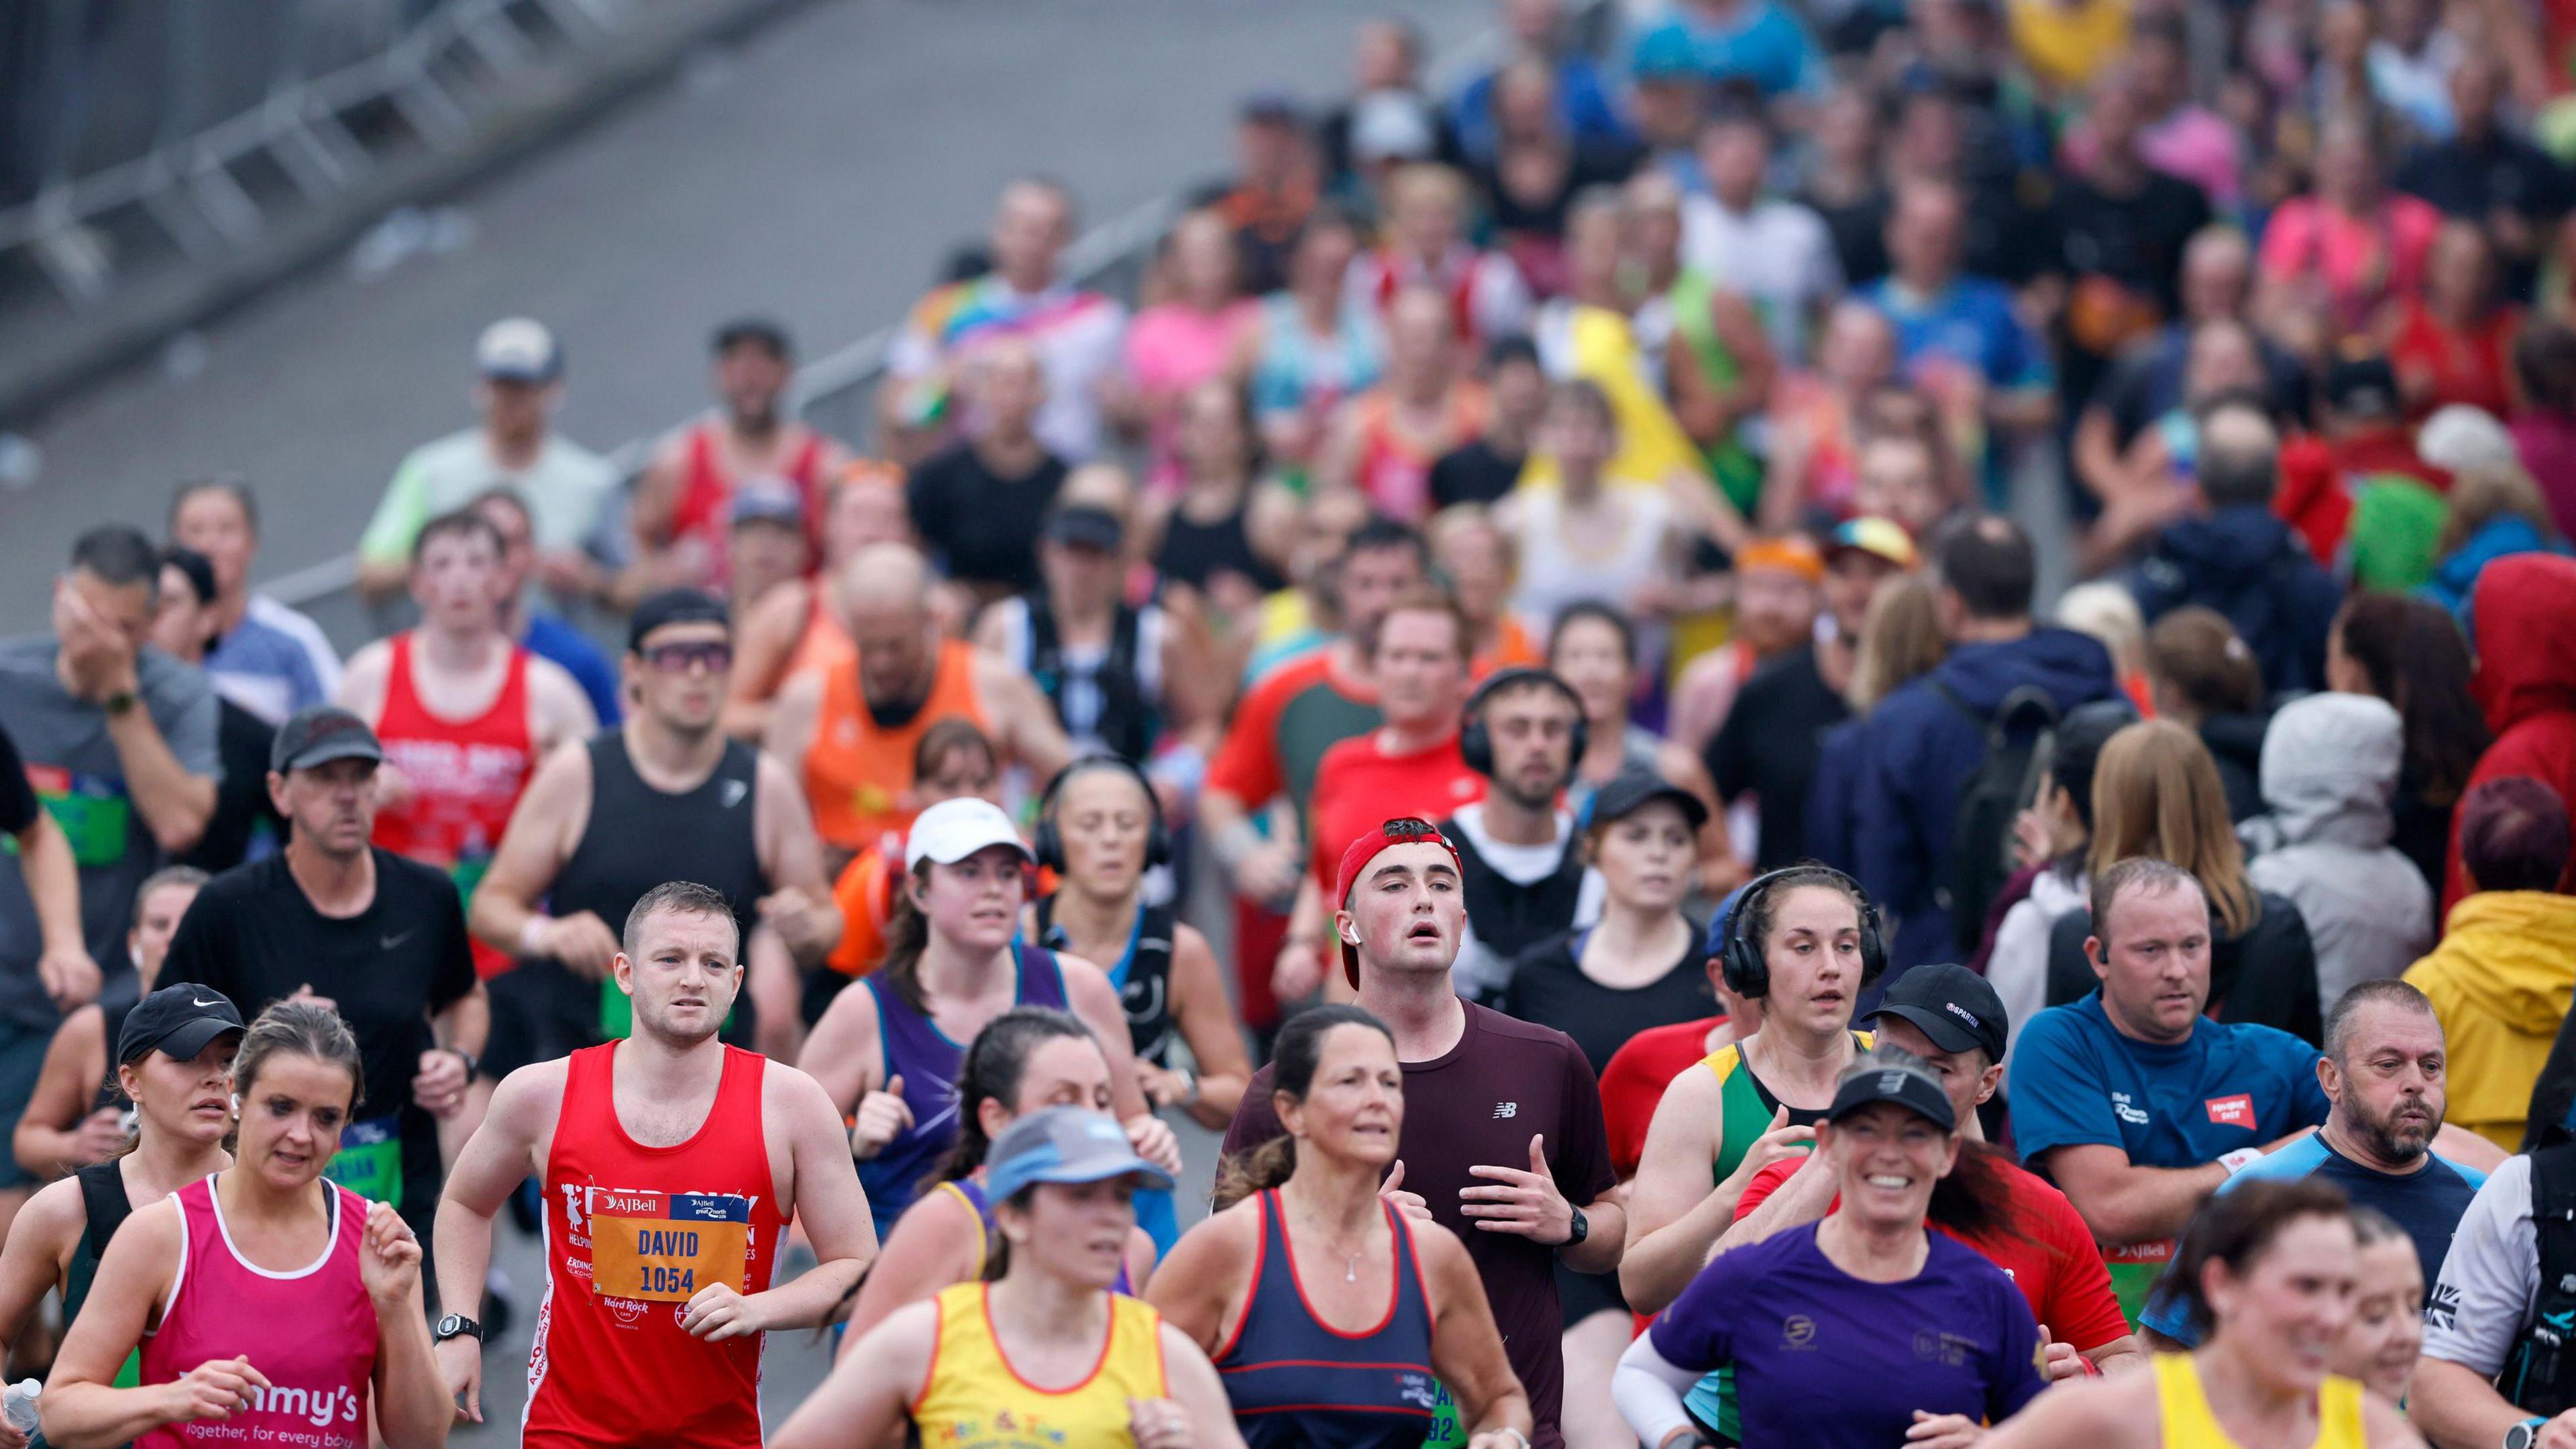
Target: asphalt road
{"points": [[817, 171]]}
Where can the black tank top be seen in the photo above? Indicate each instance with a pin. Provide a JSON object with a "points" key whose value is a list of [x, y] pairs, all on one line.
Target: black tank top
{"points": [[638, 837], [1193, 553], [104, 1209], [1143, 979]]}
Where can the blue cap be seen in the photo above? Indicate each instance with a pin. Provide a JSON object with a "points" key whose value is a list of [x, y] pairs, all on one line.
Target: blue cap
{"points": [[1719, 922], [1064, 1144]]}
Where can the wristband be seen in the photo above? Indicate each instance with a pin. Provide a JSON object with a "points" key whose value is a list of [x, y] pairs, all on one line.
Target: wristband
{"points": [[1189, 1086], [2240, 1159], [532, 935]]}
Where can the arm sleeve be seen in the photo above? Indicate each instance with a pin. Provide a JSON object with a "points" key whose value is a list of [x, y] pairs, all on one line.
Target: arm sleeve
{"points": [[399, 515], [2017, 1378], [2490, 1279], [1648, 1389], [17, 797], [2058, 1095]]}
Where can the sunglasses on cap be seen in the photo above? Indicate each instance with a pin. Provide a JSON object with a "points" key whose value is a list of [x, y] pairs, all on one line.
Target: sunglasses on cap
{"points": [[676, 658]]}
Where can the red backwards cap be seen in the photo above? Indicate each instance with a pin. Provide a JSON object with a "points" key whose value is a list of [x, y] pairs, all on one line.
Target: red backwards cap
{"points": [[1403, 830]]}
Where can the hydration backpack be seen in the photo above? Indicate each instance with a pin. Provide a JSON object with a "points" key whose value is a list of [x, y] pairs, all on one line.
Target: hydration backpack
{"points": [[2019, 738], [2540, 1372]]}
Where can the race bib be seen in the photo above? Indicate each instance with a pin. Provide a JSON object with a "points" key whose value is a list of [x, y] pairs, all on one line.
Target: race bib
{"points": [[2134, 1271], [1446, 1431], [667, 1245], [369, 1162], [94, 812]]}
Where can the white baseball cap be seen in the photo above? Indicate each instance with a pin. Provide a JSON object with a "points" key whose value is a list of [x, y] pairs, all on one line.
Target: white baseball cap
{"points": [[952, 830], [518, 349]]}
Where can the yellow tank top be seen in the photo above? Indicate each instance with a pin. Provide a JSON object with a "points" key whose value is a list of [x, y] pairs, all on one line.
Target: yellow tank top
{"points": [[976, 1400], [2190, 1425]]}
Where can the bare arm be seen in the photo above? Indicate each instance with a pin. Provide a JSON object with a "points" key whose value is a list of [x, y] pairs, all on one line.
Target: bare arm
{"points": [[2458, 1408], [174, 803], [1206, 1018], [1190, 1381], [842, 1053], [1088, 992], [2468, 1148], [791, 721], [1795, 1203], [762, 645], [1022, 717], [931, 1246], [52, 877], [558, 712], [1673, 1218], [55, 1133], [2124, 1203], [31, 1261], [413, 1409], [549, 818], [518, 1129], [1202, 1292], [862, 1401], [830, 1204], [82, 1409], [1466, 1347], [799, 906], [465, 1024]]}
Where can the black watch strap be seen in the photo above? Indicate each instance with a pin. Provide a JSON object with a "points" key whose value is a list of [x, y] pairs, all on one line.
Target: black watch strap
{"points": [[457, 1325], [1581, 1228]]}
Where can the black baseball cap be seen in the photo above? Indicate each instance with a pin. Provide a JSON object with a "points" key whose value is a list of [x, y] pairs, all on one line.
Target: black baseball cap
{"points": [[674, 606], [1632, 790], [1909, 1087], [1084, 526], [177, 1020], [318, 734], [1952, 1005]]}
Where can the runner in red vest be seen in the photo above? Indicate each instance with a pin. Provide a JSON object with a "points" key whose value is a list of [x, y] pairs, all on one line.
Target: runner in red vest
{"points": [[463, 713], [672, 1165]]}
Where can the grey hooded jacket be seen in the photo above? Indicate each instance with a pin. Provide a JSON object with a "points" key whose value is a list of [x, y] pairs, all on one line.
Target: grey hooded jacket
{"points": [[2330, 766]]}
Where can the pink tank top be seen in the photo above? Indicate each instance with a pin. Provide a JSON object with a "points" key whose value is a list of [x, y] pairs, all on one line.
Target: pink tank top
{"points": [[311, 1331]]}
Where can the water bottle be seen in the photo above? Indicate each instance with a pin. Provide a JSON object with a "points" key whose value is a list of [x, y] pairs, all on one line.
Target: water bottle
{"points": [[20, 1405]]}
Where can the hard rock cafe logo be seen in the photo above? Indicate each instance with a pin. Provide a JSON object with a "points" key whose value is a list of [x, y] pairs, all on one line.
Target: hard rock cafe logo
{"points": [[627, 1311]]}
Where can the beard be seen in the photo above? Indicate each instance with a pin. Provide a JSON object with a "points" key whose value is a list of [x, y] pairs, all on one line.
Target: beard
{"points": [[2393, 1137]]}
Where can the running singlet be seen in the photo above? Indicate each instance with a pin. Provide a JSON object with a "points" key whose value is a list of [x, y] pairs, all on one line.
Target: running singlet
{"points": [[857, 770], [969, 1191], [974, 1399], [465, 778], [704, 511], [632, 1234], [311, 1331], [1394, 471], [2190, 1425], [1745, 1108], [104, 1209], [1296, 1382], [913, 1047]]}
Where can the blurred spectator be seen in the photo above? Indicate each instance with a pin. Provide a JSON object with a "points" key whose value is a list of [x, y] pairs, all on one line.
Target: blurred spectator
{"points": [[2066, 44], [2495, 510], [1386, 65], [2362, 441], [1383, 442], [1756, 42], [1520, 854], [1591, 334], [1923, 742], [2241, 559], [2156, 795], [1666, 103], [2201, 675], [1899, 479], [1119, 676], [2110, 613], [1959, 336], [2119, 227], [1315, 347], [1594, 536], [1845, 186], [1071, 333], [1777, 586], [1950, 132], [1593, 648], [2061, 824], [2411, 62], [977, 505], [2488, 173], [766, 544], [244, 820], [684, 505], [849, 732], [2412, 655], [2502, 978], [1223, 542], [1767, 746], [1201, 329], [1704, 336], [1537, 169], [2544, 430], [1476, 558], [567, 486], [1273, 193], [2331, 259], [1901, 639], [1487, 466], [1777, 253], [2453, 344], [1581, 91], [2525, 682], [1424, 244], [544, 634], [266, 657], [1814, 417], [797, 626], [2330, 768], [2158, 480]]}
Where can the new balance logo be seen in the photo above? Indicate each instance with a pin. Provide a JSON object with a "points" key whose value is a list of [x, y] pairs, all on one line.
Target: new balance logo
{"points": [[1506, 1109]]}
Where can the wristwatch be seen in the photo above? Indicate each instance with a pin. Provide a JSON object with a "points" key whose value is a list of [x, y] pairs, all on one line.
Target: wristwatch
{"points": [[1580, 1229], [2525, 1434], [118, 703], [457, 1325], [471, 1061]]}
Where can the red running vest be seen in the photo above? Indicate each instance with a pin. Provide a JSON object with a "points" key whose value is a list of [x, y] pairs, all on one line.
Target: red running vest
{"points": [[312, 1332], [632, 1234], [466, 777]]}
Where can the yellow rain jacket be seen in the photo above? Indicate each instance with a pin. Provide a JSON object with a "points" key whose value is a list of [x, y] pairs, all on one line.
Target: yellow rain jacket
{"points": [[2501, 980]]}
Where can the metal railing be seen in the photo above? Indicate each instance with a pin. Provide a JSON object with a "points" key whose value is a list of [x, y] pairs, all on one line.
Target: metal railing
{"points": [[204, 117]]}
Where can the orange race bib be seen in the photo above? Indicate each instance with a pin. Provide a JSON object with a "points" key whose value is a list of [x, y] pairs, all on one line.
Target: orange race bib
{"points": [[667, 1245]]}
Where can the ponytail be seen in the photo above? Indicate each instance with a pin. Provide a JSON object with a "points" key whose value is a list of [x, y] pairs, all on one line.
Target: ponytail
{"points": [[1263, 1168], [1294, 1056]]}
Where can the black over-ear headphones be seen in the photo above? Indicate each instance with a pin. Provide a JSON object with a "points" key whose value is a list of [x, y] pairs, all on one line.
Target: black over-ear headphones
{"points": [[1477, 745], [1749, 974], [1048, 847]]}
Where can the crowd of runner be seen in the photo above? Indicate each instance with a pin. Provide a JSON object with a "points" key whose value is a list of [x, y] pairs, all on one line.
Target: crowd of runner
{"points": [[1512, 682]]}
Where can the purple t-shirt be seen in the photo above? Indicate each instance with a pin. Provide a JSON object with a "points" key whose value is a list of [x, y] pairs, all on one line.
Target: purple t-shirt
{"points": [[1505, 1081], [1824, 1359]]}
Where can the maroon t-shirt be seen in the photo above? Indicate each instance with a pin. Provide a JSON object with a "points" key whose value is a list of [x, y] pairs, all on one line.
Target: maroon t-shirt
{"points": [[1478, 1105]]}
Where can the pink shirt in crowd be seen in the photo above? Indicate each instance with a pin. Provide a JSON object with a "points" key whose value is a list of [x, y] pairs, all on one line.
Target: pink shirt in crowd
{"points": [[1170, 349]]}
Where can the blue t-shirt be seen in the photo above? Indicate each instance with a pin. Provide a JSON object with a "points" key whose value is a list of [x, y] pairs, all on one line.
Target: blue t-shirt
{"points": [[1763, 43], [2427, 1203], [263, 669], [1824, 1359], [1972, 322], [551, 638]]}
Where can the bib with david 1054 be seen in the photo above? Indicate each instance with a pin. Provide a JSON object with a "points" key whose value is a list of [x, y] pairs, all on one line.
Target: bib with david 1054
{"points": [[667, 1246]]}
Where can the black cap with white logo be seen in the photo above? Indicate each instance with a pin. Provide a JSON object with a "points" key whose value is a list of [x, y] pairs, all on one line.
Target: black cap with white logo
{"points": [[1907, 1086], [1952, 1005], [178, 1021]]}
